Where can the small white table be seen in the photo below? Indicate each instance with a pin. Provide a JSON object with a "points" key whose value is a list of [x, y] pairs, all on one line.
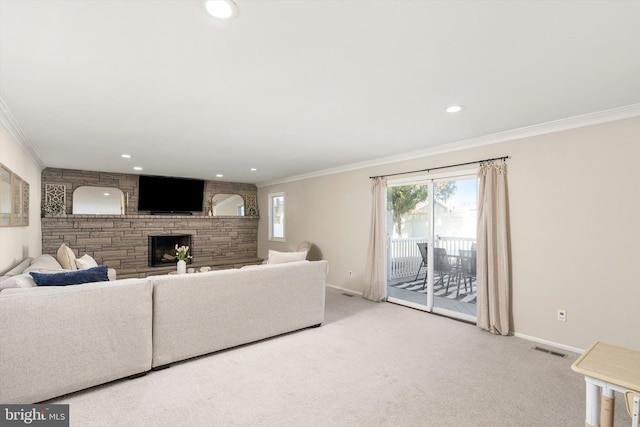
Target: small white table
{"points": [[607, 368]]}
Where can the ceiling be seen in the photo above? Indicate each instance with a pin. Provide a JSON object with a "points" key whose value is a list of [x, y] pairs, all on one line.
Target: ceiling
{"points": [[296, 87]]}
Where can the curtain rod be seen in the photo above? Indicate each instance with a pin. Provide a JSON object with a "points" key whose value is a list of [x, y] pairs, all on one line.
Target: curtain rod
{"points": [[439, 167]]}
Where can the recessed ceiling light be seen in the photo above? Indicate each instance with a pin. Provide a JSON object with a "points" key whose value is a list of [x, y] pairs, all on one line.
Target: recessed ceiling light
{"points": [[137, 168], [253, 169], [106, 194], [454, 109], [221, 9], [125, 156], [219, 175]]}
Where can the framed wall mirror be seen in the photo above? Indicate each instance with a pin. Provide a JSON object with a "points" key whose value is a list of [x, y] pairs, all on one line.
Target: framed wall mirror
{"points": [[14, 199], [89, 200], [5, 197], [227, 205]]}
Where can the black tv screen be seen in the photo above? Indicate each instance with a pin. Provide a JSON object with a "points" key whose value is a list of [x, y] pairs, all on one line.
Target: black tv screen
{"points": [[166, 194]]}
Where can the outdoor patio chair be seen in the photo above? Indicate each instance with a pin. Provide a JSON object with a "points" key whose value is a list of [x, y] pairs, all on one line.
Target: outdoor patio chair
{"points": [[422, 247], [468, 268], [443, 266]]}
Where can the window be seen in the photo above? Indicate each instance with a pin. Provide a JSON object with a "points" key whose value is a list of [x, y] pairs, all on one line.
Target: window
{"points": [[276, 217]]}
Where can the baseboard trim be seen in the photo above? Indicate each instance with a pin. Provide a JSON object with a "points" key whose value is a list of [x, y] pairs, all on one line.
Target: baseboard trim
{"points": [[551, 343], [351, 291]]}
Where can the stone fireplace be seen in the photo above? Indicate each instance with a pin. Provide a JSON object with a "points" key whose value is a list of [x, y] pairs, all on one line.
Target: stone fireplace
{"points": [[162, 248]]}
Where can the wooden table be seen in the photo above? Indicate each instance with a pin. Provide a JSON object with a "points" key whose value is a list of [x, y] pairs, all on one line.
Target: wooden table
{"points": [[607, 368]]}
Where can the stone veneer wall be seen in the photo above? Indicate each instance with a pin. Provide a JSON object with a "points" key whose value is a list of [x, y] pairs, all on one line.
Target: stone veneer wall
{"points": [[121, 241]]}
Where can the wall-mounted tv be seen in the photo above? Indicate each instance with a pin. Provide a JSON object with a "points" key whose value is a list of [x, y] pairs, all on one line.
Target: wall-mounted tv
{"points": [[161, 194]]}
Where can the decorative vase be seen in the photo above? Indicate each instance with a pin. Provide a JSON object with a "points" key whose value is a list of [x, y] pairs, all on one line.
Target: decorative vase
{"points": [[182, 267]]}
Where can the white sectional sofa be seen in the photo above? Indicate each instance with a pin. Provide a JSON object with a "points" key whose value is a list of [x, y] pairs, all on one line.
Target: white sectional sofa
{"points": [[222, 309], [60, 339]]}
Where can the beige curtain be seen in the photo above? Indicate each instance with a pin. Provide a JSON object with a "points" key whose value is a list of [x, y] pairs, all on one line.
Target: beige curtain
{"points": [[494, 278], [375, 276]]}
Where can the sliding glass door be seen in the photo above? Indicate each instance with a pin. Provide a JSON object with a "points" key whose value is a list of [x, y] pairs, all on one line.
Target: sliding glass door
{"points": [[454, 242], [408, 224], [431, 232]]}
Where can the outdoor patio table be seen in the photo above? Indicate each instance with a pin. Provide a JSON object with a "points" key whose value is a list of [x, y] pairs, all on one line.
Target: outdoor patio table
{"points": [[607, 368]]}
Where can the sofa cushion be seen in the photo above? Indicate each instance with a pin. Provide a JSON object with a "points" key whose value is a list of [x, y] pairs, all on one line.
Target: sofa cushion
{"points": [[18, 281], [66, 257], [276, 257], [20, 291], [44, 264], [95, 274], [86, 261]]}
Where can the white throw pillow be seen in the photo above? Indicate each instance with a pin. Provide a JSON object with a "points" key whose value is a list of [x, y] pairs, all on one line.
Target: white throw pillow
{"points": [[85, 261], [66, 258], [276, 257]]}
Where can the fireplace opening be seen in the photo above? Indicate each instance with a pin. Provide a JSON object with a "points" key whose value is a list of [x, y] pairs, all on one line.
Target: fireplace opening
{"points": [[162, 249]]}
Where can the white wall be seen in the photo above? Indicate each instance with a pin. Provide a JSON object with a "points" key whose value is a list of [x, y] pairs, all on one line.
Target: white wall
{"points": [[17, 243], [575, 228]]}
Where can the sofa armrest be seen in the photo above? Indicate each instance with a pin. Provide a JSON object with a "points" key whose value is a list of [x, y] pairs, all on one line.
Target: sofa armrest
{"points": [[61, 339]]}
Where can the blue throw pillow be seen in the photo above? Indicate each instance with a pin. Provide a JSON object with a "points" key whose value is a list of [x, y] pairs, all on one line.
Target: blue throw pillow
{"points": [[94, 274]]}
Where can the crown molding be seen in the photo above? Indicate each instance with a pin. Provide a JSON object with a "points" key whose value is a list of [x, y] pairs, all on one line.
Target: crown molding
{"points": [[13, 127], [589, 119]]}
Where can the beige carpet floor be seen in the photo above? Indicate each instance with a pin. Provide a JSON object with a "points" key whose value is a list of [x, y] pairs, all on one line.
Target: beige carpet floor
{"points": [[368, 365]]}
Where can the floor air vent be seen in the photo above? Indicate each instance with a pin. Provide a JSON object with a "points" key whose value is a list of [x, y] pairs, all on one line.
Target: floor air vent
{"points": [[347, 295], [545, 350]]}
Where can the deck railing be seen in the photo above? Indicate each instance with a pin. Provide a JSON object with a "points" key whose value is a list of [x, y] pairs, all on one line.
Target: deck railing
{"points": [[404, 257], [454, 244]]}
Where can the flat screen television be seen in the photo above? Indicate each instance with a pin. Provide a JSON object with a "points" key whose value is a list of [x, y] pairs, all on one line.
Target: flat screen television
{"points": [[161, 194]]}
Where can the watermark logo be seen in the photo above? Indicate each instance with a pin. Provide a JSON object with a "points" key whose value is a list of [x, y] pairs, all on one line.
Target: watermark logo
{"points": [[34, 415]]}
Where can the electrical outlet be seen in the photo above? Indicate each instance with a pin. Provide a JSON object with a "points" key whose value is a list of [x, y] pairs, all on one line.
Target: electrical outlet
{"points": [[350, 273], [562, 315]]}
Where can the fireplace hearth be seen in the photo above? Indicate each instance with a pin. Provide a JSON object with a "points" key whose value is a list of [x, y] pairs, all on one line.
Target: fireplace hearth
{"points": [[162, 248]]}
